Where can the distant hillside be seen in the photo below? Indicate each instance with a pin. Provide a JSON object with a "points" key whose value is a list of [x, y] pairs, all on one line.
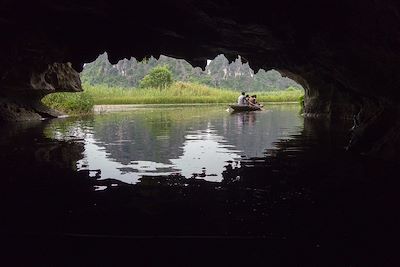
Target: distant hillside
{"points": [[218, 73]]}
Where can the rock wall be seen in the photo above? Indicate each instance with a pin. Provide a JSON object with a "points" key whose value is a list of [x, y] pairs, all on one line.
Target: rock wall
{"points": [[21, 94]]}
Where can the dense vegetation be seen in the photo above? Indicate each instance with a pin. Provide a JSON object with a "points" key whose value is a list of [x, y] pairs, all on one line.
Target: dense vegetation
{"points": [[177, 93], [158, 77], [218, 73], [71, 103]]}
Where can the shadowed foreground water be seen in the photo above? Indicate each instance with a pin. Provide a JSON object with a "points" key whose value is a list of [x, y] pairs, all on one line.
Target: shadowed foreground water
{"points": [[298, 201]]}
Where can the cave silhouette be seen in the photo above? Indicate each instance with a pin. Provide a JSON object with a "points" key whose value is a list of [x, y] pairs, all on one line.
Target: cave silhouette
{"points": [[346, 56]]}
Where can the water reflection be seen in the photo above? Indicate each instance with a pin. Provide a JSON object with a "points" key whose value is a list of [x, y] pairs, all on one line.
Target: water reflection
{"points": [[191, 141], [205, 151], [307, 195]]}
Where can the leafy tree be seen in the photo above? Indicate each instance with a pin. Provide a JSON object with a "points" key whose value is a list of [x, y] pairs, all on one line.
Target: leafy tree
{"points": [[158, 77]]}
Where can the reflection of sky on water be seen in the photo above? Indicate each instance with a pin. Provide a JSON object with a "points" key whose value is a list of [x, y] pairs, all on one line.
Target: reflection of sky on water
{"points": [[185, 140], [203, 151], [96, 157]]}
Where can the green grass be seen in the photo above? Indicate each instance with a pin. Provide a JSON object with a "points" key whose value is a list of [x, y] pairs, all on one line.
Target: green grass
{"points": [[181, 92], [71, 103], [177, 93]]}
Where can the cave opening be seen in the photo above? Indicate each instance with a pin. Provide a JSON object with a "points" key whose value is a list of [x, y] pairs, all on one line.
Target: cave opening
{"points": [[186, 128], [323, 194]]}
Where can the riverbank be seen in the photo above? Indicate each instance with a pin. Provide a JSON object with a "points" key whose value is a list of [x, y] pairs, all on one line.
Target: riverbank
{"points": [[181, 92], [129, 107], [177, 93]]}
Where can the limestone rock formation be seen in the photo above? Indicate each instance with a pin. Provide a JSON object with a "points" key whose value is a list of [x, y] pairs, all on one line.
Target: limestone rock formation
{"points": [[219, 72]]}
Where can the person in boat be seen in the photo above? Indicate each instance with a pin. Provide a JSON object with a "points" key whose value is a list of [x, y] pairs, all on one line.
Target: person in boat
{"points": [[247, 100], [242, 99], [253, 102]]}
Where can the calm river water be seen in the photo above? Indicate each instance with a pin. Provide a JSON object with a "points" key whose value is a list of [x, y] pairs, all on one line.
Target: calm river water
{"points": [[297, 197], [189, 140]]}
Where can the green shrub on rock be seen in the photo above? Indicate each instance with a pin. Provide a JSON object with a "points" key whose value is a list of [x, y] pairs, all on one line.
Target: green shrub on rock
{"points": [[159, 77]]}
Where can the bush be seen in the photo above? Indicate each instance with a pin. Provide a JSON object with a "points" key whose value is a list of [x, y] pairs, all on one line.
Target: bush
{"points": [[159, 77], [71, 103]]}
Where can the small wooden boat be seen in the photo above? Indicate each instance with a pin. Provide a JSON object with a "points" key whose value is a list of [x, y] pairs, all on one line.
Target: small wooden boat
{"points": [[238, 108]]}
